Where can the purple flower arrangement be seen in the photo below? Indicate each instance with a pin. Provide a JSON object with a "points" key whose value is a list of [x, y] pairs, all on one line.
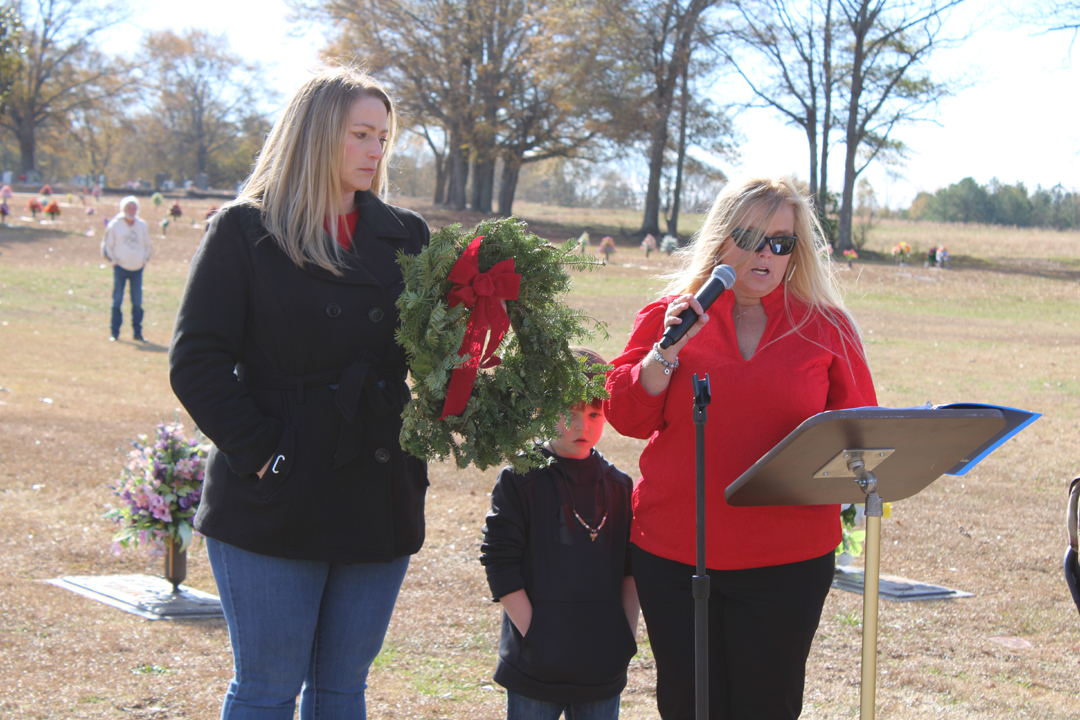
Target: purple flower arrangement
{"points": [[160, 488]]}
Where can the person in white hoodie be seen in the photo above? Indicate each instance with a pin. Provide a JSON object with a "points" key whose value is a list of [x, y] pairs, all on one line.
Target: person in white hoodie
{"points": [[127, 246]]}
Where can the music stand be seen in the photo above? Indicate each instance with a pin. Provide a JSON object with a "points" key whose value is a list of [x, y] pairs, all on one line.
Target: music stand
{"points": [[869, 455]]}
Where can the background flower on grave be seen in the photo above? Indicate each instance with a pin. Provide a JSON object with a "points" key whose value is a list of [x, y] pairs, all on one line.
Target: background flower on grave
{"points": [[160, 488], [853, 528], [648, 244], [607, 246], [901, 251]]}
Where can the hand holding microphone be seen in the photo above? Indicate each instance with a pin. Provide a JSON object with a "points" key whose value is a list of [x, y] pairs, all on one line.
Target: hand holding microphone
{"points": [[722, 278]]}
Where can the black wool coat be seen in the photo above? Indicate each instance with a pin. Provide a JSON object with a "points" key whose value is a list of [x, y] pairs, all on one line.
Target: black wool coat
{"points": [[300, 367]]}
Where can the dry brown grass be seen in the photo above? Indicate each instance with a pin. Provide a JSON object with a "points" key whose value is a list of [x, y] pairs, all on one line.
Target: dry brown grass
{"points": [[988, 335], [612, 222], [986, 242]]}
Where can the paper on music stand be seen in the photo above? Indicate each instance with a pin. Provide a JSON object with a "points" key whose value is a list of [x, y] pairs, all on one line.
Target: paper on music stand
{"points": [[1015, 421]]}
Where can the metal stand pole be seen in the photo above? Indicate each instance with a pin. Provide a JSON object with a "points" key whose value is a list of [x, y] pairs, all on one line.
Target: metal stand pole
{"points": [[874, 511], [870, 614], [700, 585]]}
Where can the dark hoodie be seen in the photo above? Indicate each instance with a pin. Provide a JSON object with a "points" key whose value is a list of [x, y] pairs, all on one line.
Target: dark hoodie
{"points": [[579, 642]]}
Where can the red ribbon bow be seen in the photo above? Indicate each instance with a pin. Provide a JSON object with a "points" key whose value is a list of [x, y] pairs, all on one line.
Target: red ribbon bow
{"points": [[482, 292]]}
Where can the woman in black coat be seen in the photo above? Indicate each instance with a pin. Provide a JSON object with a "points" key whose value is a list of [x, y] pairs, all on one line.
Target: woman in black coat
{"points": [[284, 356]]}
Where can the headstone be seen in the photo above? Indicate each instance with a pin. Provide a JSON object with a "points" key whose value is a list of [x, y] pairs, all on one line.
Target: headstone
{"points": [[891, 587], [145, 595]]}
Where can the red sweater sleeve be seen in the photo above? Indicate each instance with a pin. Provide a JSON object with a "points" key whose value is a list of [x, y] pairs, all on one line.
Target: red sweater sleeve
{"points": [[630, 409]]}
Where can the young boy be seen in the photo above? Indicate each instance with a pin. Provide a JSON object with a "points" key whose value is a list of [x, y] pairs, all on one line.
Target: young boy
{"points": [[556, 552]]}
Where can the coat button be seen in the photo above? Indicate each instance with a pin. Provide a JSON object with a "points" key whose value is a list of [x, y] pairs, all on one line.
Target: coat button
{"points": [[382, 455], [333, 310], [375, 315]]}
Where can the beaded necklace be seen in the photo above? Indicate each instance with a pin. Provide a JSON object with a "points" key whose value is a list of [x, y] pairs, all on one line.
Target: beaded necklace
{"points": [[593, 531]]}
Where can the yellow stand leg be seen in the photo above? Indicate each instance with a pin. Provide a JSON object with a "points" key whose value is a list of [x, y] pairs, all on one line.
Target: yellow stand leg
{"points": [[870, 617]]}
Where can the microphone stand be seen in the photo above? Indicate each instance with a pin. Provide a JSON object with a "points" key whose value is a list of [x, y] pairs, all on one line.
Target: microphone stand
{"points": [[700, 586]]}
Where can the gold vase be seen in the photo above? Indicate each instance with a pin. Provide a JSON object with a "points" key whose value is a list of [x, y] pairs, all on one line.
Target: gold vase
{"points": [[175, 565]]}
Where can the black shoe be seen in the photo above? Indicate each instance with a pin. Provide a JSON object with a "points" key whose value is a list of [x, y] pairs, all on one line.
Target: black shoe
{"points": [[140, 338]]}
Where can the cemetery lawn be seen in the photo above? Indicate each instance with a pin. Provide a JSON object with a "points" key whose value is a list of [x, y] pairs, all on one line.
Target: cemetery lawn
{"points": [[1001, 326]]}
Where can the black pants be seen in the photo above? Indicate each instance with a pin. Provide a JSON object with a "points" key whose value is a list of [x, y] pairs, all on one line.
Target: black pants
{"points": [[761, 624]]}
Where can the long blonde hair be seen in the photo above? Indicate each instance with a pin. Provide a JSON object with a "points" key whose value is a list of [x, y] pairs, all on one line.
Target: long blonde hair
{"points": [[810, 276], [296, 181]]}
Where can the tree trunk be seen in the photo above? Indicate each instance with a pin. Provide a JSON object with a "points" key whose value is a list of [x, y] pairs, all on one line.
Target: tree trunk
{"points": [[650, 222], [826, 121], [508, 185], [440, 180], [673, 220], [843, 240], [483, 185], [201, 156], [853, 131], [474, 200], [823, 185], [27, 146], [199, 132], [440, 168], [458, 173], [811, 141], [665, 91]]}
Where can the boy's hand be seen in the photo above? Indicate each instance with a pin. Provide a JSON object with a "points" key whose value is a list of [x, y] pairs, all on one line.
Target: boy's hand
{"points": [[519, 609], [630, 602]]}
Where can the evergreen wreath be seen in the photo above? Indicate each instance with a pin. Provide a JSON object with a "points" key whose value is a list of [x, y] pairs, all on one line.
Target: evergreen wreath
{"points": [[520, 400]]}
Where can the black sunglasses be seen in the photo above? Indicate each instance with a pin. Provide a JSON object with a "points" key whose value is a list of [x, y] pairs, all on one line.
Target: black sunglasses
{"points": [[780, 245]]}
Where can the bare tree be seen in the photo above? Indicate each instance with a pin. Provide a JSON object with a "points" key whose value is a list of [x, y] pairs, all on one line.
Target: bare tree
{"points": [[886, 84], [482, 71], [100, 131], [202, 96], [439, 151], [656, 38], [61, 70], [556, 103], [785, 54], [426, 50], [11, 50], [700, 123], [1050, 16], [854, 66]]}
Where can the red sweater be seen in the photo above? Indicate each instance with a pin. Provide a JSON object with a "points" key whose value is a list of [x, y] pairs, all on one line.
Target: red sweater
{"points": [[755, 404]]}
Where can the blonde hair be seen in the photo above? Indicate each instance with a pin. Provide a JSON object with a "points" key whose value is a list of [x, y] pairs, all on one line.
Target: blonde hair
{"points": [[296, 181], [810, 276]]}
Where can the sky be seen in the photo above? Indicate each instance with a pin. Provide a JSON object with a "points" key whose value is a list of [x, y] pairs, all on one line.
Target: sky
{"points": [[1016, 120]]}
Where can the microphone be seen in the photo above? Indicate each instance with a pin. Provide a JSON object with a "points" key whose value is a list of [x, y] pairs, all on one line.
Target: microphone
{"points": [[722, 278]]}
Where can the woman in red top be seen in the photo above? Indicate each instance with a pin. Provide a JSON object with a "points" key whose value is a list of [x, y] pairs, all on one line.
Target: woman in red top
{"points": [[779, 348]]}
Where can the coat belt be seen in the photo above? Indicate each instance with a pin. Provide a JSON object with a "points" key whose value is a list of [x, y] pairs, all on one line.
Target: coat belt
{"points": [[358, 385]]}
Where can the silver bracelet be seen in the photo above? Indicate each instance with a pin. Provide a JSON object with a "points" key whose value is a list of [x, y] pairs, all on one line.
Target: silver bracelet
{"points": [[668, 366]]}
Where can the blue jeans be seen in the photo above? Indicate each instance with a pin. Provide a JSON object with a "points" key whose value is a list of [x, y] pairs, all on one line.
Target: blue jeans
{"points": [[519, 707], [300, 627], [120, 276]]}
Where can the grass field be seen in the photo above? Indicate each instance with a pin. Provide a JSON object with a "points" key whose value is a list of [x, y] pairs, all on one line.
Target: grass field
{"points": [[1000, 327]]}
